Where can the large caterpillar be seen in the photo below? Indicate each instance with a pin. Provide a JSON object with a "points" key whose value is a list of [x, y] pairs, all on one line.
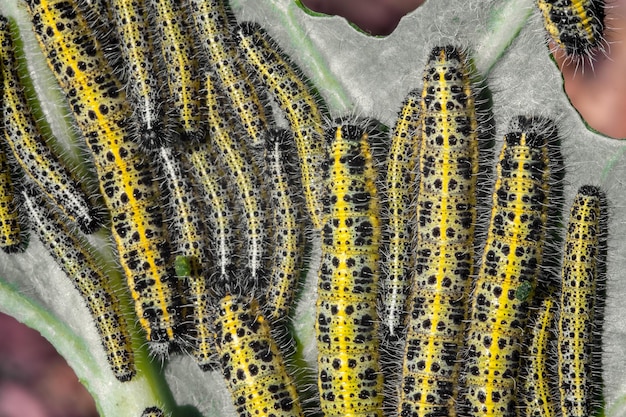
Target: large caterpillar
{"points": [[511, 259], [179, 58], [30, 149], [99, 105], [446, 215], [245, 174], [214, 21], [138, 61], [190, 237], [211, 180], [349, 375], [576, 324], [288, 228], [400, 186]]}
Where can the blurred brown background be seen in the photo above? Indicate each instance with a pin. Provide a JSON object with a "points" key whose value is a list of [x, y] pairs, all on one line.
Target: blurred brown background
{"points": [[377, 17], [35, 381]]}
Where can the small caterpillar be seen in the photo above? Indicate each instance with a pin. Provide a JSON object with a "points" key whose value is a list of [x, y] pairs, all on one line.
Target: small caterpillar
{"points": [[288, 249], [213, 21], [99, 105], [30, 149], [299, 103], [400, 186], [576, 320], [212, 182], [576, 26], [74, 256], [512, 256], [446, 215], [139, 69], [179, 59], [189, 238], [245, 174], [538, 390], [152, 412], [252, 365], [12, 237], [350, 380]]}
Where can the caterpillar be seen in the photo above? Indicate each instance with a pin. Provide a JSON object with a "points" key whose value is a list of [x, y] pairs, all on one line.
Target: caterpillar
{"points": [[101, 111], [288, 249], [252, 365], [213, 21], [576, 322], [139, 70], [538, 387], [179, 58], [350, 380], [189, 238], [576, 26], [76, 259], [298, 101], [152, 412], [30, 149], [211, 180], [12, 237], [245, 174], [446, 215], [397, 262], [511, 259]]}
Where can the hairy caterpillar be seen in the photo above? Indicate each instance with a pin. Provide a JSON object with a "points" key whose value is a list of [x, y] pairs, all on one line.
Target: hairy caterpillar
{"points": [[350, 380], [400, 185], [577, 316], [446, 216], [30, 149], [73, 255], [101, 112], [511, 259], [299, 103], [214, 20]]}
